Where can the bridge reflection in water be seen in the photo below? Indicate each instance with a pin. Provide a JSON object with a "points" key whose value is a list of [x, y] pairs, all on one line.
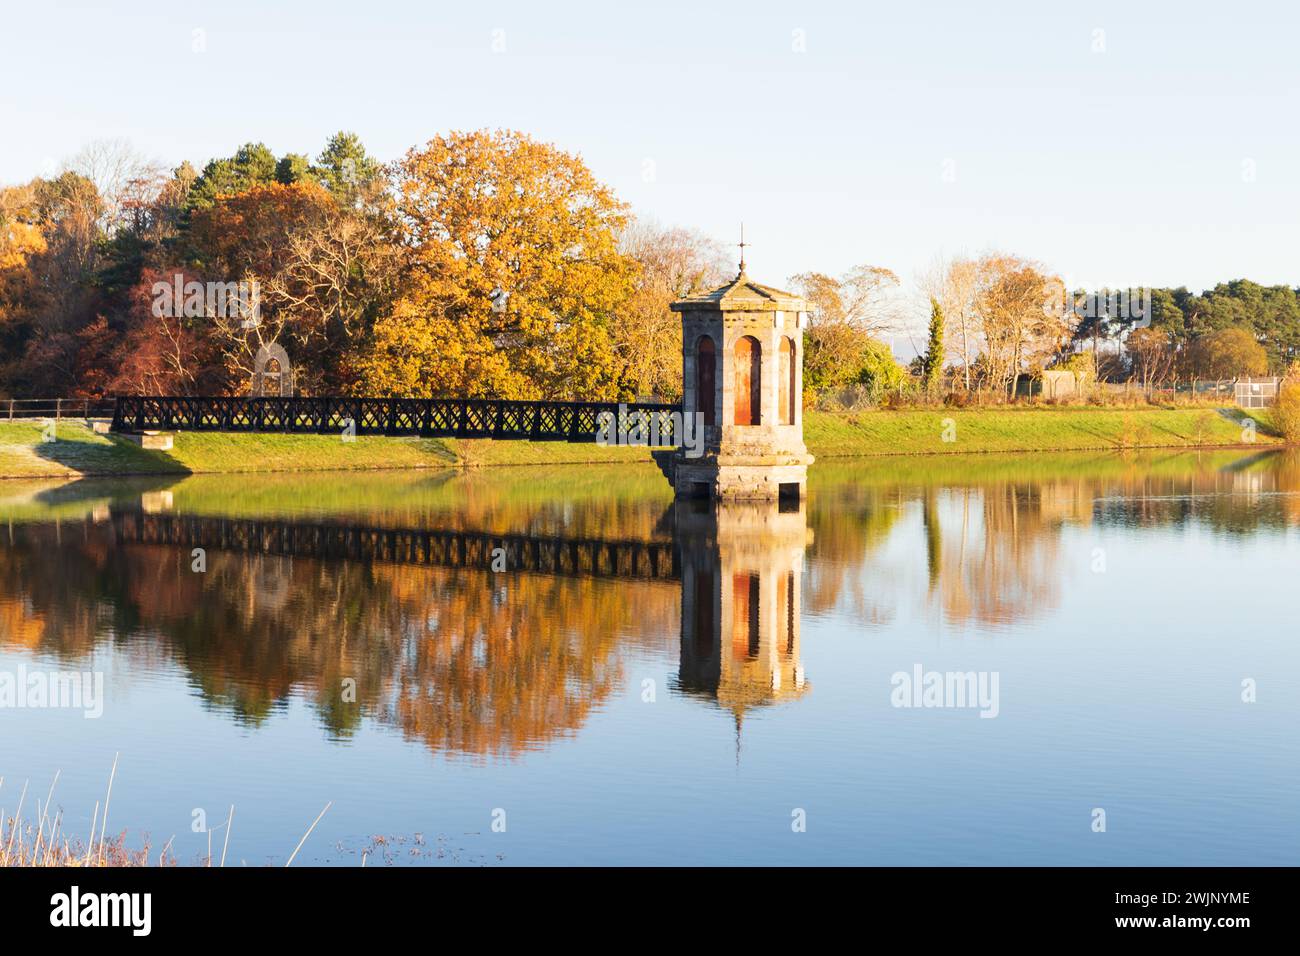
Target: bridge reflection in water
{"points": [[455, 549], [738, 567]]}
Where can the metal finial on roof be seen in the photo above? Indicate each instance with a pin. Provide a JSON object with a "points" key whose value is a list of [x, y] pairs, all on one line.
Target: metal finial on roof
{"points": [[743, 244]]}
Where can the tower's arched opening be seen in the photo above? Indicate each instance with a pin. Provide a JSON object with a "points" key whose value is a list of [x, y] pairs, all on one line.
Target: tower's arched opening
{"points": [[786, 374], [706, 380], [749, 396]]}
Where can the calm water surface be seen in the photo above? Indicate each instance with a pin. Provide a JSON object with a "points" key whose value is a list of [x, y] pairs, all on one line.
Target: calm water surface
{"points": [[657, 683]]}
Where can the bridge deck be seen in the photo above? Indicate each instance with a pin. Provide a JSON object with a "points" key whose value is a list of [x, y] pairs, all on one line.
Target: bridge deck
{"points": [[424, 417]]}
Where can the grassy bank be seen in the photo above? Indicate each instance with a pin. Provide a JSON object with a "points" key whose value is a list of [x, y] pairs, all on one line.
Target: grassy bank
{"points": [[1038, 429], [79, 451]]}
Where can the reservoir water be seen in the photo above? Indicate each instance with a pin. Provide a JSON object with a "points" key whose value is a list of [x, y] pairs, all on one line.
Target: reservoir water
{"points": [[975, 660]]}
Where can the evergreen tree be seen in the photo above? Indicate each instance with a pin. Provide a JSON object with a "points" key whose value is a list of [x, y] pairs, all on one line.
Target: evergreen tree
{"points": [[293, 168], [252, 165], [932, 367], [344, 166]]}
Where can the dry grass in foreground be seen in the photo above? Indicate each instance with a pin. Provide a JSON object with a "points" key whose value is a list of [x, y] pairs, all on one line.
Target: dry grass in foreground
{"points": [[27, 845], [41, 843]]}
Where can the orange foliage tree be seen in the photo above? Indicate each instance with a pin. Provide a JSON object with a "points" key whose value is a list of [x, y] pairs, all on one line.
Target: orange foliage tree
{"points": [[517, 274]]}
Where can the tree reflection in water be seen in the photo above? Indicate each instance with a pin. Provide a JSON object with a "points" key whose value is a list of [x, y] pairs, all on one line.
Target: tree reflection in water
{"points": [[482, 664], [987, 530]]}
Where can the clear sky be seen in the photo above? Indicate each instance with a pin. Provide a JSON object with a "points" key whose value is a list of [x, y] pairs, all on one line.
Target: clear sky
{"points": [[1120, 143]]}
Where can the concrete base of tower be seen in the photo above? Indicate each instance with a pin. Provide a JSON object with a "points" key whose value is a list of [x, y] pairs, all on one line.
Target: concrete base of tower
{"points": [[747, 478]]}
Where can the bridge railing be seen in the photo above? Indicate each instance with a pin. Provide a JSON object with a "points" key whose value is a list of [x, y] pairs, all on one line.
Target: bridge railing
{"points": [[425, 417]]}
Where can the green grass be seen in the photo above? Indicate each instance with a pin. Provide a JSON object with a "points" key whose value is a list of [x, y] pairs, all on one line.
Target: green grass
{"points": [[474, 452], [922, 432], [974, 470], [77, 451], [80, 452]]}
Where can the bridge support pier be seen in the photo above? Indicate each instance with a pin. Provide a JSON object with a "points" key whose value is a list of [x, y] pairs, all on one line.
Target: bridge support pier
{"points": [[154, 441], [737, 478]]}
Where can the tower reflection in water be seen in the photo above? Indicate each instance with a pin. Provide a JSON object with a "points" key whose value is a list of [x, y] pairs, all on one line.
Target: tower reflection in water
{"points": [[741, 571]]}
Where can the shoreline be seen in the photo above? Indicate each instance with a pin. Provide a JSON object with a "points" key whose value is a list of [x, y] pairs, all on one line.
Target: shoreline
{"points": [[831, 436]]}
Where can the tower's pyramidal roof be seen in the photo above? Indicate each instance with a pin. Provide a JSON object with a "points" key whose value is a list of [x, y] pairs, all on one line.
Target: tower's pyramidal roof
{"points": [[742, 294]]}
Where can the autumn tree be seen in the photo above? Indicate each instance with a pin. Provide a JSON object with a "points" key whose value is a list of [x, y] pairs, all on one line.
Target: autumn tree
{"points": [[340, 274], [318, 240], [1152, 355], [162, 355], [863, 297], [516, 274], [251, 237], [76, 251], [647, 336], [1286, 410], [49, 251], [957, 285], [123, 178], [68, 210], [22, 297], [1228, 353], [1023, 320], [147, 236], [848, 314]]}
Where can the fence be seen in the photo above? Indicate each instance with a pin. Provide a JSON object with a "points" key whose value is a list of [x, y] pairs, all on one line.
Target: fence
{"points": [[1056, 385], [1257, 393], [56, 408]]}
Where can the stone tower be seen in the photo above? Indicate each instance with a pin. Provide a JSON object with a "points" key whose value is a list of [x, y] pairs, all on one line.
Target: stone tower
{"points": [[742, 371]]}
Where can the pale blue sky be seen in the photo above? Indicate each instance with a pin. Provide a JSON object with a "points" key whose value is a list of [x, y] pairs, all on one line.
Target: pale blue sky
{"points": [[1120, 167]]}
